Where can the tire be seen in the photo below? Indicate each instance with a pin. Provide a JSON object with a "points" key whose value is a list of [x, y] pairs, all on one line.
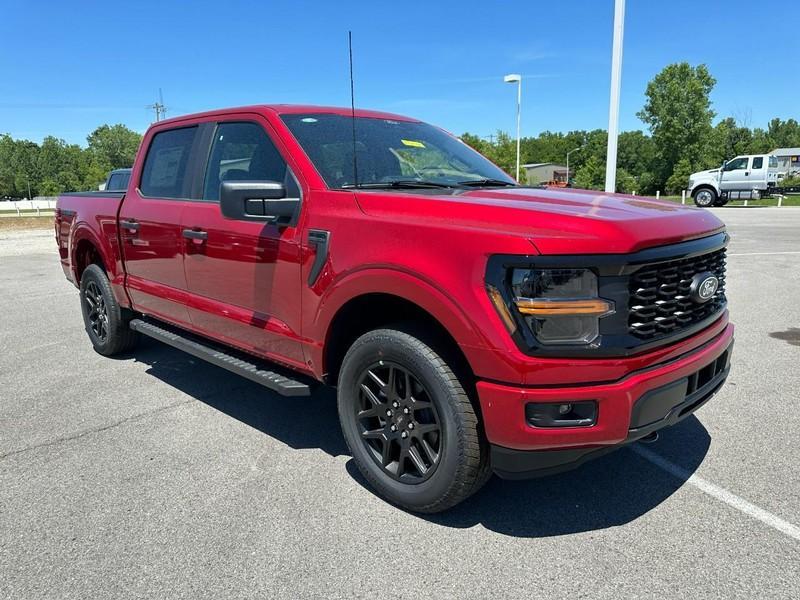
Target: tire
{"points": [[720, 202], [105, 321], [704, 197], [455, 463]]}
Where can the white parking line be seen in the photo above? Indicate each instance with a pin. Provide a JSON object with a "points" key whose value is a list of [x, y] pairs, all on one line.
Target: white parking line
{"points": [[762, 253], [719, 493]]}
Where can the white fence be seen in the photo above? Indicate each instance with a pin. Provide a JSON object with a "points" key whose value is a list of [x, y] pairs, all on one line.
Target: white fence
{"points": [[39, 205]]}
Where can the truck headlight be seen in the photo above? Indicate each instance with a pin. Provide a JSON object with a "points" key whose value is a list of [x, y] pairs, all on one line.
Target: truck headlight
{"points": [[561, 306]]}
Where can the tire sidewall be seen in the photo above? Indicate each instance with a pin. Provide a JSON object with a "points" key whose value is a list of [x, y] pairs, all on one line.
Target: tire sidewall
{"points": [[381, 345], [95, 274]]}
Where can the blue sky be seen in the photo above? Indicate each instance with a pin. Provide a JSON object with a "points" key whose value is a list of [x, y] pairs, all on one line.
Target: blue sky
{"points": [[67, 67]]}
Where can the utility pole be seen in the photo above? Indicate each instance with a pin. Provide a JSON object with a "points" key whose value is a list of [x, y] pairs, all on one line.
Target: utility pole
{"points": [[613, 109], [158, 107]]}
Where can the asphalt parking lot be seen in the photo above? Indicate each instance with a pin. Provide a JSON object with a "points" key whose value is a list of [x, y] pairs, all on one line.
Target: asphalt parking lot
{"points": [[158, 476]]}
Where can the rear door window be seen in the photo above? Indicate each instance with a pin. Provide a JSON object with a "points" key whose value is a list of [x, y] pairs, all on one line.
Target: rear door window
{"points": [[758, 162], [164, 172], [118, 182]]}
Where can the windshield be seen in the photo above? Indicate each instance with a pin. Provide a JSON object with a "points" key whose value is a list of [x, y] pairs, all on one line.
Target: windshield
{"points": [[388, 151]]}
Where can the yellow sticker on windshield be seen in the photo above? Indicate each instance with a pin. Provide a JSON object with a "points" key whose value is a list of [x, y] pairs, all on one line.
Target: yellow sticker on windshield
{"points": [[413, 143]]}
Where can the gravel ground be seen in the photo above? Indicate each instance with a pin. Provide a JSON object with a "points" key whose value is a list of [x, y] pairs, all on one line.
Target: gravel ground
{"points": [[156, 476]]}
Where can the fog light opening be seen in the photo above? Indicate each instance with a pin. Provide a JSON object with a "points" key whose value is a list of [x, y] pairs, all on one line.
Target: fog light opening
{"points": [[561, 414]]}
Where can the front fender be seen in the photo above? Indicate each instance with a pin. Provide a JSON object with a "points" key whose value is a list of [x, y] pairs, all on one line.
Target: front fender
{"points": [[407, 286]]}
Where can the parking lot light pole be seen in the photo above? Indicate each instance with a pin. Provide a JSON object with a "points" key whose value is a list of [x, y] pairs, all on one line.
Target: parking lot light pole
{"points": [[516, 78], [613, 109], [568, 153]]}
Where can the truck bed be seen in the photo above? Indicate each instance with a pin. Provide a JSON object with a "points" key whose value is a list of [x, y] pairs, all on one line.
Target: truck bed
{"points": [[85, 219]]}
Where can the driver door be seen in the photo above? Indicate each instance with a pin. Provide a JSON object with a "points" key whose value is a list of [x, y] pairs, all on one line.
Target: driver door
{"points": [[243, 277], [736, 174]]}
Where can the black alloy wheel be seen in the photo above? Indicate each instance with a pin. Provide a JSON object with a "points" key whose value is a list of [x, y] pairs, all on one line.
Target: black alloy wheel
{"points": [[106, 322], [96, 311], [398, 422], [408, 421]]}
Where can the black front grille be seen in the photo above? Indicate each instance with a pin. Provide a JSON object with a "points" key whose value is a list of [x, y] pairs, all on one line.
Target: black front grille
{"points": [[660, 303]]}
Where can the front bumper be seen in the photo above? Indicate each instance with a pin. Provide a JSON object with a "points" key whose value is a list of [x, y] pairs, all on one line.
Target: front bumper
{"points": [[630, 409]]}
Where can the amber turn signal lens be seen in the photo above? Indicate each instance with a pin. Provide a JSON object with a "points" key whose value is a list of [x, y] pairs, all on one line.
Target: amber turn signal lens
{"points": [[502, 309], [590, 307]]}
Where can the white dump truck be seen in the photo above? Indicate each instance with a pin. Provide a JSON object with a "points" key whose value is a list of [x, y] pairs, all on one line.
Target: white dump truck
{"points": [[744, 177]]}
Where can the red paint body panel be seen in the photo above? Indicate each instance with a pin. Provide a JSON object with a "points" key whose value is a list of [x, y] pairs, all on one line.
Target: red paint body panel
{"points": [[503, 406], [246, 285]]}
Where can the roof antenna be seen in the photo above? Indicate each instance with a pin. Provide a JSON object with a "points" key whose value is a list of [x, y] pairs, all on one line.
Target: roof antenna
{"points": [[353, 108]]}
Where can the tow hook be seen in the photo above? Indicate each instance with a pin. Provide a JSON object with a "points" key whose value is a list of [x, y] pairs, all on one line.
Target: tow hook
{"points": [[650, 438]]}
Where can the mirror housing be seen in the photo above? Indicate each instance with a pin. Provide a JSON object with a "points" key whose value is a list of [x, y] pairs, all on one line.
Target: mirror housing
{"points": [[257, 201]]}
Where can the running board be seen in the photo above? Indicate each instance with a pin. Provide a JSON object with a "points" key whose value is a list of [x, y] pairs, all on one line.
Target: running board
{"points": [[251, 370]]}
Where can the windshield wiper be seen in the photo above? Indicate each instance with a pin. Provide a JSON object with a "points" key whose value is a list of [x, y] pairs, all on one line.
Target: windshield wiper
{"points": [[487, 183], [397, 183]]}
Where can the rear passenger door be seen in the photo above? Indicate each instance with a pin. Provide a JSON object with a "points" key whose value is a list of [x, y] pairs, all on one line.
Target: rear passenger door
{"points": [[243, 277], [758, 172], [150, 225]]}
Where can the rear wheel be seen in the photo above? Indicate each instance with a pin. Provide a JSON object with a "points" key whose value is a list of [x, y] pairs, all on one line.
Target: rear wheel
{"points": [[705, 197], [106, 322], [409, 422]]}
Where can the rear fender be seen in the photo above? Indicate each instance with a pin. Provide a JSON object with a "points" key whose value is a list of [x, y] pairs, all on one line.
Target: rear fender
{"points": [[106, 247]]}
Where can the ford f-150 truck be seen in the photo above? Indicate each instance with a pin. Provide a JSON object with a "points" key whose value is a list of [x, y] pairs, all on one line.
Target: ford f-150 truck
{"points": [[470, 324]]}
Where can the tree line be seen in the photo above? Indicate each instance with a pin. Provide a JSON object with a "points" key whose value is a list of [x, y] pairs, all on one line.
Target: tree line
{"points": [[681, 139], [28, 169], [677, 112]]}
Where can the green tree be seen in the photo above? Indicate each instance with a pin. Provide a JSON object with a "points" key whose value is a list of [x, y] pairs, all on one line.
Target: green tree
{"points": [[784, 134], [680, 177], [591, 175], [114, 145], [626, 183], [637, 156], [678, 113]]}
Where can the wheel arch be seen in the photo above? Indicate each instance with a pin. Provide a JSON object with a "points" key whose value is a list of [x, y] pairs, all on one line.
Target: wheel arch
{"points": [[378, 297], [86, 251], [704, 186], [373, 310], [86, 248]]}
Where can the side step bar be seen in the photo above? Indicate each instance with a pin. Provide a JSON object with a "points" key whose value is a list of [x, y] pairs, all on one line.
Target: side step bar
{"points": [[275, 381]]}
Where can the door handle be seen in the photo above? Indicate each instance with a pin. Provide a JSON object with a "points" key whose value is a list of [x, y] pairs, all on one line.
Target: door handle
{"points": [[129, 224], [746, 173], [194, 234]]}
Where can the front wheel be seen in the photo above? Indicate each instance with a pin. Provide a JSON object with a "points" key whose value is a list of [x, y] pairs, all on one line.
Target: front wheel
{"points": [[705, 197], [409, 423]]}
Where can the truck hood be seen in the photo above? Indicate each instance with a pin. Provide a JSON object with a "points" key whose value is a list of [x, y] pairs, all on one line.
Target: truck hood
{"points": [[706, 173], [555, 221]]}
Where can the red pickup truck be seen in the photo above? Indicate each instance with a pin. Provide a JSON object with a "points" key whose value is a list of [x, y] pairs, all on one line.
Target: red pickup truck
{"points": [[471, 325]]}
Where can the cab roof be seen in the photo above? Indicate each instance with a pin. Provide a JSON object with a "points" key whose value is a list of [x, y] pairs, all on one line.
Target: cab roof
{"points": [[291, 109]]}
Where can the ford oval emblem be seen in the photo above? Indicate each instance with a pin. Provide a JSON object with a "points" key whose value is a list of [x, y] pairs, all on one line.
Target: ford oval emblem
{"points": [[703, 288]]}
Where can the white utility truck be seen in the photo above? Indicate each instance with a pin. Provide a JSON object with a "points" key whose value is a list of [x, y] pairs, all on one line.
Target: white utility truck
{"points": [[744, 177]]}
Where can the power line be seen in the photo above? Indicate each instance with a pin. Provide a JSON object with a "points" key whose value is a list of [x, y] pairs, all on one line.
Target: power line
{"points": [[158, 107]]}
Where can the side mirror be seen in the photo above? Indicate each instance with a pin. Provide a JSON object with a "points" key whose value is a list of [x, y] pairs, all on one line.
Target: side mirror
{"points": [[256, 201]]}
